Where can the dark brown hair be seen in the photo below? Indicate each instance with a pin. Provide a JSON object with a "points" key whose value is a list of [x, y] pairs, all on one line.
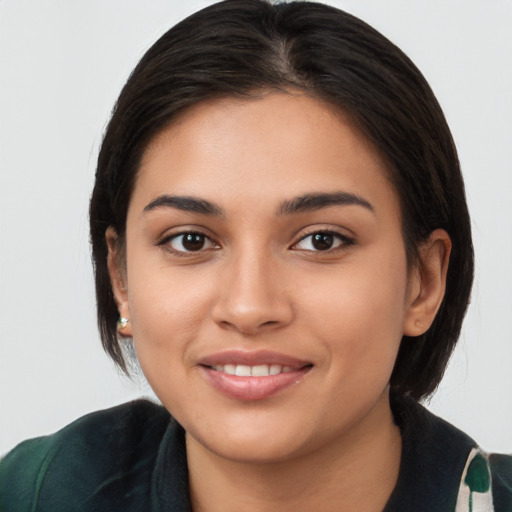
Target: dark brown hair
{"points": [[242, 47]]}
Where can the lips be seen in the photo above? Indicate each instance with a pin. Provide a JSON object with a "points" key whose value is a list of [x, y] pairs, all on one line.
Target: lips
{"points": [[260, 370], [248, 376]]}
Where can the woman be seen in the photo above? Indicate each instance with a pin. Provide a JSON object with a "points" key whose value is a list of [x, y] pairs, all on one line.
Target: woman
{"points": [[279, 224]]}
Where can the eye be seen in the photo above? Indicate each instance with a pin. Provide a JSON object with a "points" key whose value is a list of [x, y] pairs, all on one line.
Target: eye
{"points": [[323, 241], [189, 242]]}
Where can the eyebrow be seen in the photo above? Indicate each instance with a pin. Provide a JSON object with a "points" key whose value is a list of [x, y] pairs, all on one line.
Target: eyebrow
{"points": [[185, 203], [317, 201], [300, 204]]}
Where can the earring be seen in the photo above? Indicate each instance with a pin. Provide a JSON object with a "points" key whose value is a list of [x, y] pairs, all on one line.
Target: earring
{"points": [[122, 322]]}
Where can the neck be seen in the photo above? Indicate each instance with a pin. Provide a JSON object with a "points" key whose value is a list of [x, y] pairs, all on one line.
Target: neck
{"points": [[357, 471]]}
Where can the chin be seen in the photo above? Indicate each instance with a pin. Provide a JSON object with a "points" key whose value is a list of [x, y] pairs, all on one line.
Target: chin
{"points": [[254, 447], [250, 436]]}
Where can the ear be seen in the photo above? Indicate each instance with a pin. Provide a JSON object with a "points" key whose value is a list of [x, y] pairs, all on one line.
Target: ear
{"points": [[117, 271], [427, 283]]}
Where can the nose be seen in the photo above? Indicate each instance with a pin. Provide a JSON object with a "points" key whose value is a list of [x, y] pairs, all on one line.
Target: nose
{"points": [[252, 295]]}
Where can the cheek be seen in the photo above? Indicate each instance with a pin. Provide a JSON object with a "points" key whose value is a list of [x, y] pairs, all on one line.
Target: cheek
{"points": [[168, 309], [357, 312], [367, 288], [167, 318]]}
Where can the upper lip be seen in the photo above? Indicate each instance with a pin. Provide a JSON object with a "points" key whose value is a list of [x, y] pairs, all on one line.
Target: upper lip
{"points": [[252, 358]]}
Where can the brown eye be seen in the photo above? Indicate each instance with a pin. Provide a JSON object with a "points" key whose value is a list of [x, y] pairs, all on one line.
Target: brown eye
{"points": [[193, 241], [322, 241], [190, 242]]}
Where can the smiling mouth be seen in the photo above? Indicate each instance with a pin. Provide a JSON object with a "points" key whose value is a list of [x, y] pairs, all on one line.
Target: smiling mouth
{"points": [[260, 370], [247, 383]]}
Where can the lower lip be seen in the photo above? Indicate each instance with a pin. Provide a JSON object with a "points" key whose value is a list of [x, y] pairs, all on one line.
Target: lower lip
{"points": [[252, 388]]}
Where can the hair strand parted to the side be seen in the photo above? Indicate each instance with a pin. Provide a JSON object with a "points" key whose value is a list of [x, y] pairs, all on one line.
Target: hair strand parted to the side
{"points": [[242, 48]]}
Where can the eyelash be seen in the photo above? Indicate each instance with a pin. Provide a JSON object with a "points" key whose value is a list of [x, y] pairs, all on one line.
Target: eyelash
{"points": [[343, 242], [167, 241]]}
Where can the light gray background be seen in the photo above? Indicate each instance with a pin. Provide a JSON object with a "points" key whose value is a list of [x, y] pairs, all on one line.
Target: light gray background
{"points": [[62, 64]]}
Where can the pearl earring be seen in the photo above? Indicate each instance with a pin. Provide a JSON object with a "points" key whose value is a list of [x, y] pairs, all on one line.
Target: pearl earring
{"points": [[122, 322]]}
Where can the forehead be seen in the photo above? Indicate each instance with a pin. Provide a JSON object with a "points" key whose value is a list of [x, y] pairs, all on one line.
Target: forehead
{"points": [[271, 148]]}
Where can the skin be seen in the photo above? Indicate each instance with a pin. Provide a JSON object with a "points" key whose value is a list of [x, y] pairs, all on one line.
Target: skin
{"points": [[327, 442]]}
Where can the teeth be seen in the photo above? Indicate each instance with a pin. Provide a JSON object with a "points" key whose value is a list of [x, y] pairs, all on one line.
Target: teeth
{"points": [[275, 369], [229, 368], [242, 370], [260, 370]]}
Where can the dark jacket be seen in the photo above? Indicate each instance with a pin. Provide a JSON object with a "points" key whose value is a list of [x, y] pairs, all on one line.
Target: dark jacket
{"points": [[132, 458]]}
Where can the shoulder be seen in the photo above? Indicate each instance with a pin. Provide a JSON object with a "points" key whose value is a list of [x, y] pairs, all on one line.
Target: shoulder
{"points": [[99, 450], [442, 468], [486, 483], [501, 471]]}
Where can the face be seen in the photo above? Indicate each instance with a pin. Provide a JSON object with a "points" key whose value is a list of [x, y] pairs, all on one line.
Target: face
{"points": [[266, 280]]}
